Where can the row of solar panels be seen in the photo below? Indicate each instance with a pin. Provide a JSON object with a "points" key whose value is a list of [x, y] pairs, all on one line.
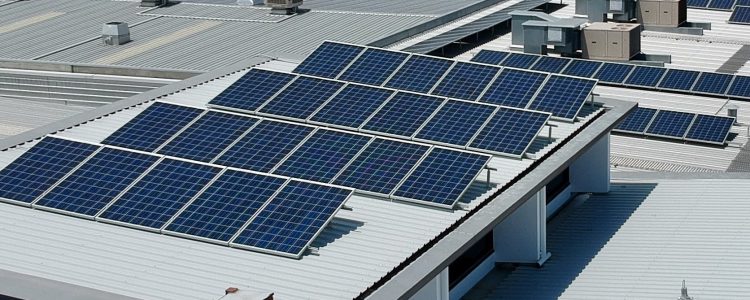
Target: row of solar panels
{"points": [[717, 4], [741, 15], [622, 74], [457, 123], [677, 125], [562, 96], [400, 170], [205, 202]]}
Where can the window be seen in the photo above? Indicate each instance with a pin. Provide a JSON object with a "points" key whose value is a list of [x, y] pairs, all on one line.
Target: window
{"points": [[558, 184], [467, 262]]}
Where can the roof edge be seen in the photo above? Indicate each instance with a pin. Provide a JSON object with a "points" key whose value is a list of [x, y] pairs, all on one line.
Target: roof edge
{"points": [[29, 287], [651, 176]]}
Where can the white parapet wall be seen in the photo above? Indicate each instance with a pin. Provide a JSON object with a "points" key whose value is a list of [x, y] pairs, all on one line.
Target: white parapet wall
{"points": [[590, 172]]}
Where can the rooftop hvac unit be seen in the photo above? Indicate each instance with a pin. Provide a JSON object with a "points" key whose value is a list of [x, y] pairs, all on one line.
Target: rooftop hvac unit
{"points": [[115, 33], [611, 41], [153, 3], [283, 7]]}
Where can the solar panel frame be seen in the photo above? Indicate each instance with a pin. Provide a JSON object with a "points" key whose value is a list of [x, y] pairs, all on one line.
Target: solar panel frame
{"points": [[520, 60], [419, 135], [740, 87], [678, 80], [261, 88], [586, 72], [490, 57], [392, 119], [551, 64], [721, 5], [709, 80], [425, 71], [690, 135], [661, 134], [374, 66], [474, 143], [326, 116], [740, 15], [550, 91], [346, 60], [295, 102], [645, 76], [613, 73], [636, 115]]}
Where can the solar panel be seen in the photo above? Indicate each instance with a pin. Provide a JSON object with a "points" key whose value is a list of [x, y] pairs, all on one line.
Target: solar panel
{"points": [[698, 3], [466, 81], [92, 186], [679, 79], [292, 220], [514, 88], [224, 207], [510, 131], [520, 60], [301, 98], [419, 74], [563, 96], [740, 15], [742, 3], [613, 73], [670, 124], [712, 129], [489, 57], [323, 155], [153, 127], [374, 66], [740, 87], [352, 106], [208, 136], [442, 177], [40, 167], [582, 68], [264, 146], [329, 60], [637, 120], [403, 114], [154, 199], [456, 122], [645, 76], [721, 4], [713, 83], [252, 90], [381, 166], [551, 64]]}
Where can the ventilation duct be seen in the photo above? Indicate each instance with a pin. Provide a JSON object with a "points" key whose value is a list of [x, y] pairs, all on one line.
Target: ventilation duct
{"points": [[115, 33], [283, 7], [153, 3]]}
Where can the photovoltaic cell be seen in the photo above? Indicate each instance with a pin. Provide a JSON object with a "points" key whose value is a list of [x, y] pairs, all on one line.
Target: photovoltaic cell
{"points": [[352, 106], [550, 64], [741, 14], [208, 136], [698, 3], [442, 177], [466, 81], [563, 96], [98, 181], [293, 218], [582, 68], [670, 124], [154, 199], [328, 60], [713, 83], [713, 129], [637, 120], [153, 127], [403, 114], [742, 3], [252, 90], [302, 97], [221, 211], [456, 122], [679, 79], [323, 155], [264, 146], [520, 60], [419, 74], [740, 87], [381, 166], [510, 131], [514, 88], [613, 73], [645, 76], [489, 57], [40, 167], [721, 4], [374, 66]]}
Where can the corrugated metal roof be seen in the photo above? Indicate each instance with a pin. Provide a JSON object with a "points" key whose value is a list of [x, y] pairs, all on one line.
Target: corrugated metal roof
{"points": [[21, 115]]}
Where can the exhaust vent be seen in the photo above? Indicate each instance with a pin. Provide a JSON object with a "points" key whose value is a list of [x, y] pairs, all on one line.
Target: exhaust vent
{"points": [[153, 3], [115, 33], [283, 7]]}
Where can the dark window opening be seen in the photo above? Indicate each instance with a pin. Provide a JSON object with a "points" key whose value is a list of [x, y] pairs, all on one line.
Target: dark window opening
{"points": [[467, 262], [558, 184]]}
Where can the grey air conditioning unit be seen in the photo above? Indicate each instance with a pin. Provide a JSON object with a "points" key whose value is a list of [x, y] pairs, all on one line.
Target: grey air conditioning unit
{"points": [[115, 33], [283, 7]]}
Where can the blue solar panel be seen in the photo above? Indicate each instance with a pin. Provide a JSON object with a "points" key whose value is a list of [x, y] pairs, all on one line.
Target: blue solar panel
{"points": [[721, 4], [208, 136], [403, 114], [374, 66], [154, 199], [582, 68], [264, 146], [712, 129], [302, 97], [329, 60], [645, 76], [510, 131], [637, 120], [252, 90], [323, 155], [740, 15], [514, 88], [563, 96], [740, 87], [742, 3], [352, 106], [442, 177], [220, 211], [551, 64], [98, 181], [381, 166], [519, 60], [466, 81], [670, 124], [456, 122], [153, 127], [40, 167], [419, 74], [698, 3], [290, 222], [489, 57], [613, 73], [713, 83], [679, 79]]}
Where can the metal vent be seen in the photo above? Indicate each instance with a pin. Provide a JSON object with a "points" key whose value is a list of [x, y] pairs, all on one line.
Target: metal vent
{"points": [[153, 3], [115, 33], [283, 7]]}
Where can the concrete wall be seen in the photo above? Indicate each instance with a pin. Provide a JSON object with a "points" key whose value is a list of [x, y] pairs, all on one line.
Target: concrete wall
{"points": [[436, 289], [522, 237], [590, 172]]}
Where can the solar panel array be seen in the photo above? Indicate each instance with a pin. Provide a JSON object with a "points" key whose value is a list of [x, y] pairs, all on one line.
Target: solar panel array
{"points": [[677, 125], [726, 5], [621, 74], [740, 15]]}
